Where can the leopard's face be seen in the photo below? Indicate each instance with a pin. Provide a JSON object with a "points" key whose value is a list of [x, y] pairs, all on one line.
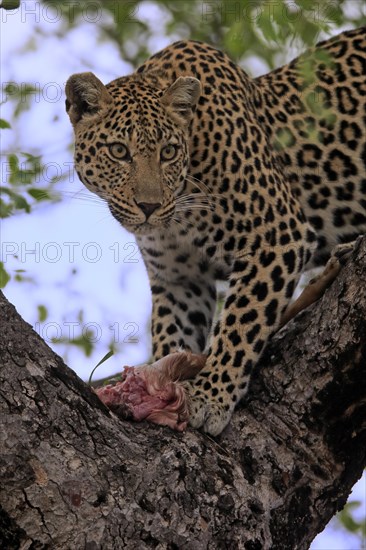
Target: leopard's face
{"points": [[134, 155]]}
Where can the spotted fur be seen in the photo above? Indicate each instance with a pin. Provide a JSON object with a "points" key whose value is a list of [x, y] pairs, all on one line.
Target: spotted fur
{"points": [[221, 176]]}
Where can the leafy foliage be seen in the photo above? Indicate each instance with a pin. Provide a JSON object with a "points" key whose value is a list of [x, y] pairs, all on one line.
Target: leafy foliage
{"points": [[347, 519], [18, 191], [242, 28]]}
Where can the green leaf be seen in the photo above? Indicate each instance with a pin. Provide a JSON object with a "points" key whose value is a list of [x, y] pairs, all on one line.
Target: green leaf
{"points": [[266, 26], [21, 203], [5, 209], [80, 316], [4, 124], [10, 4], [4, 276], [105, 358], [348, 521], [38, 194], [13, 163], [34, 159], [42, 313], [20, 278]]}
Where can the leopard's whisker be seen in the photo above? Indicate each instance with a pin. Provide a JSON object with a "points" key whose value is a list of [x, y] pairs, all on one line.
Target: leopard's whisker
{"points": [[198, 183], [193, 199], [85, 197], [189, 202], [178, 222], [188, 207]]}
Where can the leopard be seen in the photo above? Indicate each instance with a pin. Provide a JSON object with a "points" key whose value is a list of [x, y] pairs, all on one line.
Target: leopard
{"points": [[221, 176]]}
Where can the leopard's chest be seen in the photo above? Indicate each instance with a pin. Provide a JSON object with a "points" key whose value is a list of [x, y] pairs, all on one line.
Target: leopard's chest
{"points": [[179, 251]]}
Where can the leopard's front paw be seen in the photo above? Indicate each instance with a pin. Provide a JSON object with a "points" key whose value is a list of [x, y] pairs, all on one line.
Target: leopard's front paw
{"points": [[206, 412]]}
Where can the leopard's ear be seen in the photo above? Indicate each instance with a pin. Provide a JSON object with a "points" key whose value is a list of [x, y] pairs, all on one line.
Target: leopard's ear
{"points": [[181, 98], [86, 97]]}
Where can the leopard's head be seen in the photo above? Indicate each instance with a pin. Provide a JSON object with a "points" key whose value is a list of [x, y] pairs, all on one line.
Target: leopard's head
{"points": [[132, 143]]}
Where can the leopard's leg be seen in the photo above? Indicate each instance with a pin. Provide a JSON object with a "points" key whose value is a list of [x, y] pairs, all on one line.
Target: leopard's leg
{"points": [[251, 313], [319, 284], [182, 311]]}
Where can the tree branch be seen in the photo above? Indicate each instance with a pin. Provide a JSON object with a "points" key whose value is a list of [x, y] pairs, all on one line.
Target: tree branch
{"points": [[73, 475]]}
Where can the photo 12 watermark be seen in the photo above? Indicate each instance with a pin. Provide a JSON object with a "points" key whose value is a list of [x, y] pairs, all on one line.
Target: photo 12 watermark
{"points": [[42, 172], [49, 92], [73, 11], [229, 12], [69, 252], [121, 333]]}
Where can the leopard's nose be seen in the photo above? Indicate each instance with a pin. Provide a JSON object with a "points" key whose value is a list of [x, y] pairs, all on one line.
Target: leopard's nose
{"points": [[148, 207]]}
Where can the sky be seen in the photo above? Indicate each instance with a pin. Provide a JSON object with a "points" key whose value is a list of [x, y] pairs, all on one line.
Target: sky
{"points": [[79, 257]]}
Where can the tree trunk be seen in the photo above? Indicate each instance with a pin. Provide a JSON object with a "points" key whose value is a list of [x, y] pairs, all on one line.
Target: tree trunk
{"points": [[74, 476]]}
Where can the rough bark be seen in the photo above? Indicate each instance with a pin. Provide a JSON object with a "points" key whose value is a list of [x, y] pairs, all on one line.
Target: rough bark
{"points": [[75, 476]]}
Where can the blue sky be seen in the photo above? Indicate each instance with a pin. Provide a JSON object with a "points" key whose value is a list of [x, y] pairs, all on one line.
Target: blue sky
{"points": [[79, 256]]}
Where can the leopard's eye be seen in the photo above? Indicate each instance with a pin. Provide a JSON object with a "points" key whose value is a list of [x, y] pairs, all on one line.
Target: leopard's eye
{"points": [[119, 151], [168, 152]]}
